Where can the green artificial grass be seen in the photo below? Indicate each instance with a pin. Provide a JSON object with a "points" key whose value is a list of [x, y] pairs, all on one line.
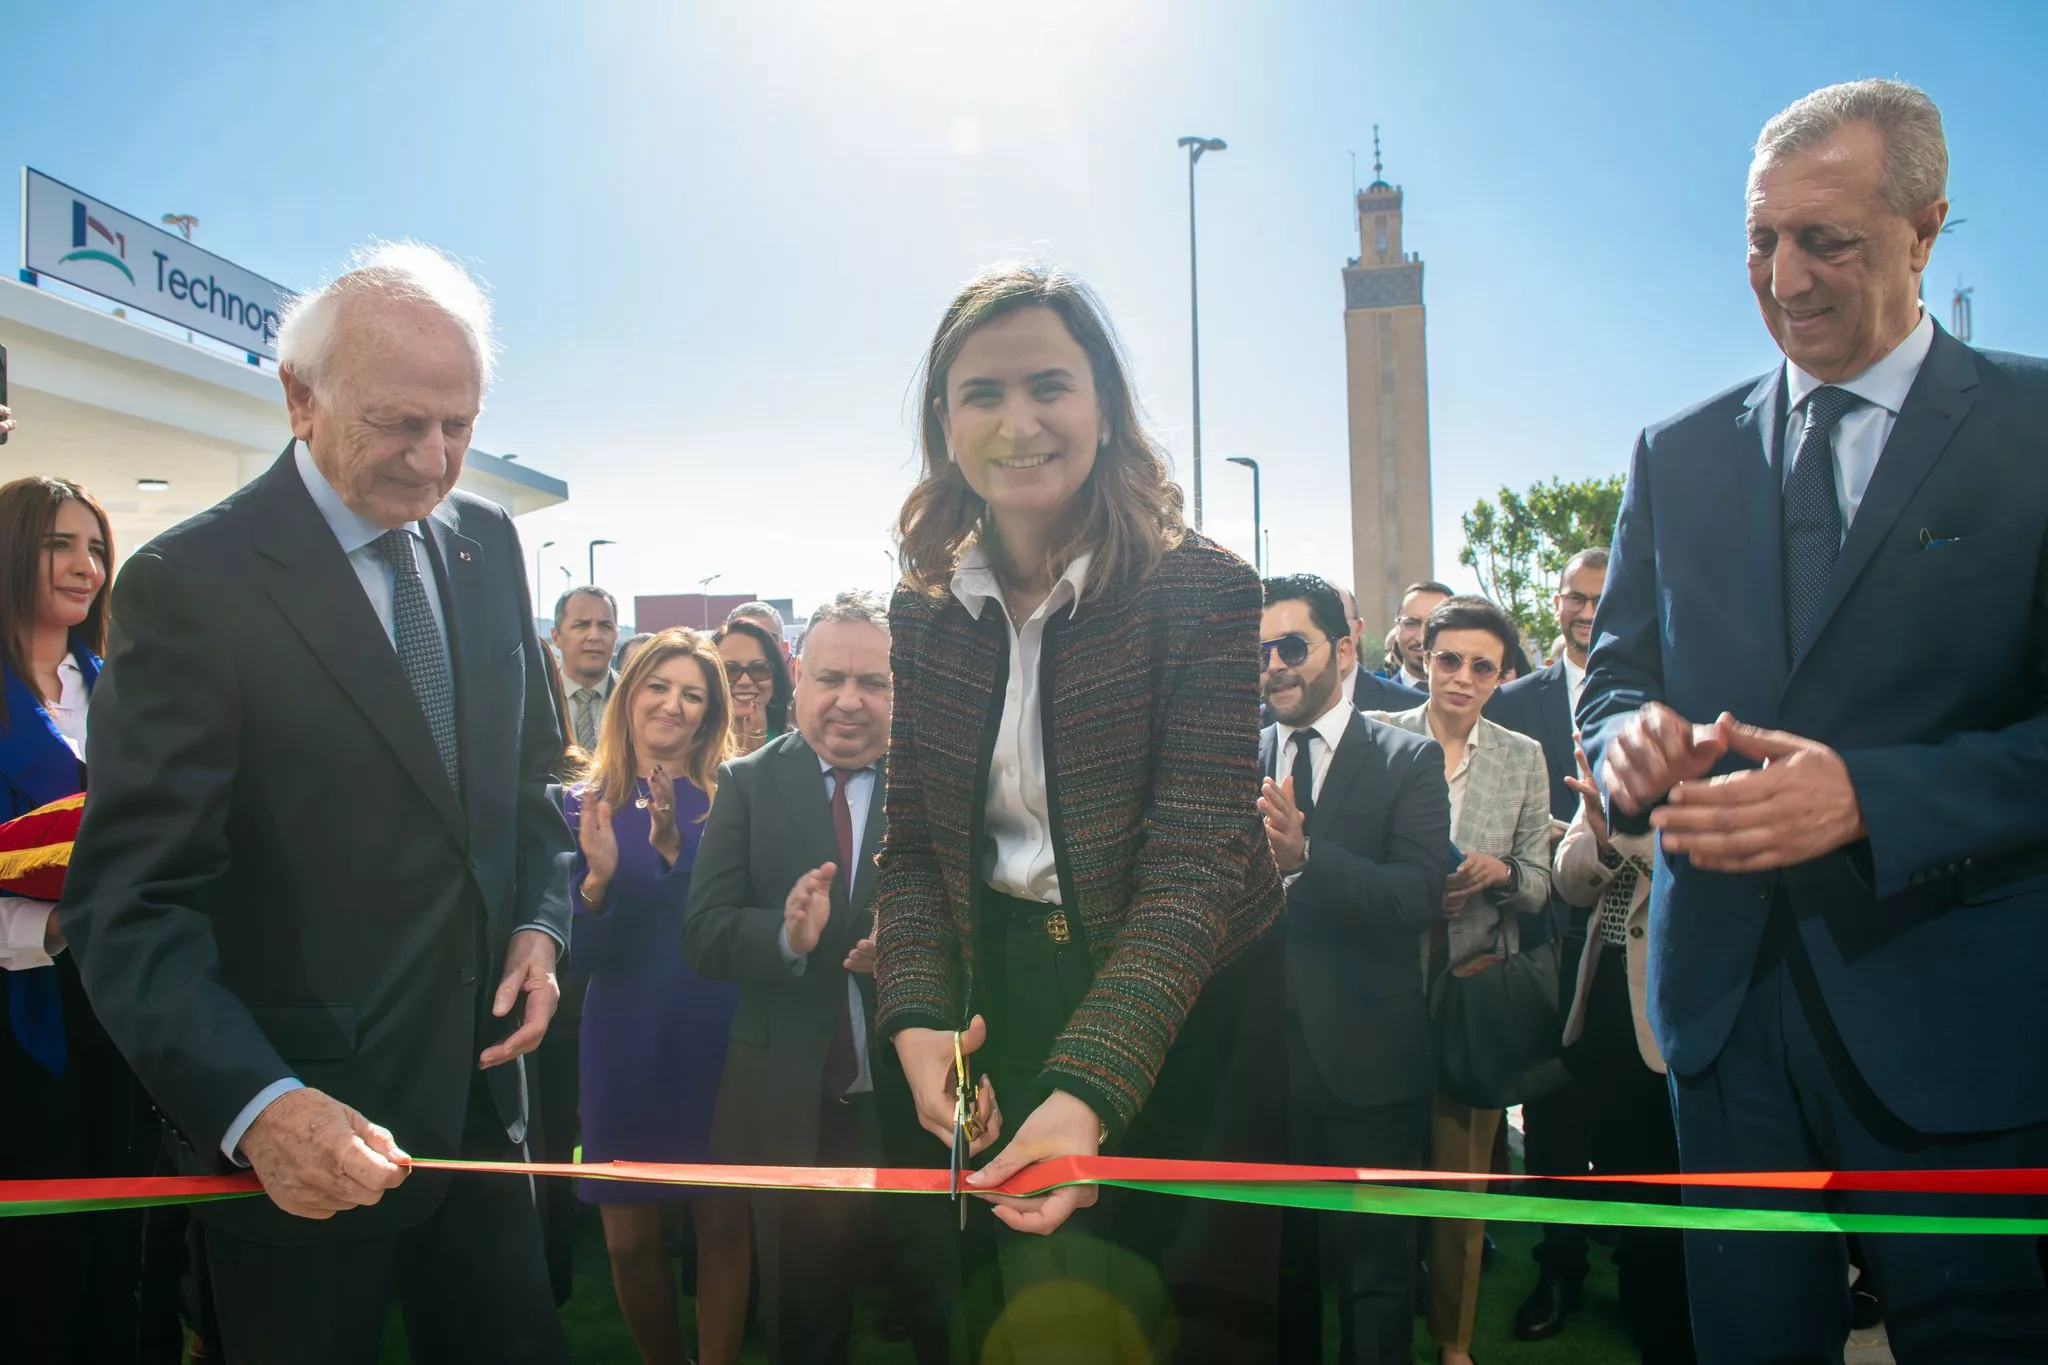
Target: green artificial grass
{"points": [[1594, 1336]]}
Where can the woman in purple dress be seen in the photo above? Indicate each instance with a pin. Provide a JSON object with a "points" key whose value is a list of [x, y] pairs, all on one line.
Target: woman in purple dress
{"points": [[654, 1034]]}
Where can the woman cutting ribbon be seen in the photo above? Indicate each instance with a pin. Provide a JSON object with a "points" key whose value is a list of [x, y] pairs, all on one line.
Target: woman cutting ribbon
{"points": [[1073, 874]]}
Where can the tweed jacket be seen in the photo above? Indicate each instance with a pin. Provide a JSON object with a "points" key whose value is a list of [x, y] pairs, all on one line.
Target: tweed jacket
{"points": [[1150, 708], [1582, 879], [1506, 812]]}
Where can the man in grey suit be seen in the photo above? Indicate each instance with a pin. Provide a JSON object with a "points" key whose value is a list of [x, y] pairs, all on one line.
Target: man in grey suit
{"points": [[586, 630], [782, 901]]}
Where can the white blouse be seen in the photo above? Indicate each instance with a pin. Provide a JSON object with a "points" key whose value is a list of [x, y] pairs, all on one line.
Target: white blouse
{"points": [[1019, 818]]}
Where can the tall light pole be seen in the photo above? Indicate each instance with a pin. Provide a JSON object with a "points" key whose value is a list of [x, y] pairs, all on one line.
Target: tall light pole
{"points": [[1258, 559], [704, 595], [593, 558], [537, 590], [1196, 146]]}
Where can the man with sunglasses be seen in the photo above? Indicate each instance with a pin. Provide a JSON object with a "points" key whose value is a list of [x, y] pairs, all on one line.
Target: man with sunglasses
{"points": [[1358, 817]]}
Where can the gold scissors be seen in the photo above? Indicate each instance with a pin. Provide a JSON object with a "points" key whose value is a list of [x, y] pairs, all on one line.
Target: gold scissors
{"points": [[966, 1124]]}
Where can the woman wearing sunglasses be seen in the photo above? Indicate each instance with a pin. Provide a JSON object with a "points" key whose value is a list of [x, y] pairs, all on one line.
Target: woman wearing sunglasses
{"points": [[1074, 875], [758, 678], [1500, 823]]}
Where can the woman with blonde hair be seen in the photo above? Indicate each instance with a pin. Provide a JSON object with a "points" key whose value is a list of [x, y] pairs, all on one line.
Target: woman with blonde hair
{"points": [[654, 1033], [1073, 876]]}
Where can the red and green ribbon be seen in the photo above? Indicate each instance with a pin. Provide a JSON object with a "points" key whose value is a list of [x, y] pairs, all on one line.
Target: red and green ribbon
{"points": [[1335, 1188]]}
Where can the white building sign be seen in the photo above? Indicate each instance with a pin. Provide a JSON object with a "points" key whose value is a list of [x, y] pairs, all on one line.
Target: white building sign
{"points": [[75, 238]]}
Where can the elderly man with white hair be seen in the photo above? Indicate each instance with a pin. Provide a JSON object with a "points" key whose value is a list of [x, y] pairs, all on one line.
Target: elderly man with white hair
{"points": [[1849, 906], [318, 896]]}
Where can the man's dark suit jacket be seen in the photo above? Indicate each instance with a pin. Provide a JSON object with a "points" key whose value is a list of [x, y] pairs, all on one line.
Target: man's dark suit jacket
{"points": [[1379, 837], [274, 877], [1374, 693], [1539, 705], [771, 824], [1927, 936]]}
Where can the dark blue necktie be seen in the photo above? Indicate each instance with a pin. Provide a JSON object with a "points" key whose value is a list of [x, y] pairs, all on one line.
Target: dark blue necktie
{"points": [[1812, 535], [419, 648]]}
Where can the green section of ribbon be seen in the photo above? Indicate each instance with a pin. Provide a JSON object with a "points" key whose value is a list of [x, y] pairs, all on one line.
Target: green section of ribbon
{"points": [[1524, 1208], [47, 1206]]}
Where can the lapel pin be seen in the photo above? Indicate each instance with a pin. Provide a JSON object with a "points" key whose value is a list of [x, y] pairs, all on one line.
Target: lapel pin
{"points": [[463, 555]]}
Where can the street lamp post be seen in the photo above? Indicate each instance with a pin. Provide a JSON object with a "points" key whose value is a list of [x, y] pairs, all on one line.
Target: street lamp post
{"points": [[1258, 559], [545, 546], [593, 558], [1196, 146], [704, 595]]}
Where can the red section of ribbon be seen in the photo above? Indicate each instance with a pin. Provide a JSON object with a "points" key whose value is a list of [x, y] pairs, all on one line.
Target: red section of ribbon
{"points": [[1061, 1171], [1074, 1170], [143, 1187]]}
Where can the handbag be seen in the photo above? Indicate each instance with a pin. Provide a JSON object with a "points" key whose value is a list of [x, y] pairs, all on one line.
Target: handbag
{"points": [[1494, 1024]]}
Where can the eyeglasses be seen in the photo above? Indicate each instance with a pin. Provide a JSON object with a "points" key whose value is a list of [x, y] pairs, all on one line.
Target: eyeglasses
{"points": [[1578, 601], [1450, 661], [1293, 651], [1408, 622], [760, 670]]}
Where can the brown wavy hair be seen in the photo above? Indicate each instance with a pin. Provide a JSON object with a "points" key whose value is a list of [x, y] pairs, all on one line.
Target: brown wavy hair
{"points": [[613, 772], [28, 511], [1128, 512]]}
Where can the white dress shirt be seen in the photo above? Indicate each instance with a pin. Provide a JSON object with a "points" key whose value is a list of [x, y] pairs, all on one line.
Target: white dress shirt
{"points": [[24, 922], [1456, 781], [1574, 683], [1858, 438], [1329, 728], [860, 796], [1021, 860]]}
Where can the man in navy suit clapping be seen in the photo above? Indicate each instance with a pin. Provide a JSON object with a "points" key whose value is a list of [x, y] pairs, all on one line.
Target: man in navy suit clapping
{"points": [[1850, 899]]}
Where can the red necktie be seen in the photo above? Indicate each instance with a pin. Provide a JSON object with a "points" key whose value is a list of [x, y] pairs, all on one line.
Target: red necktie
{"points": [[841, 1068]]}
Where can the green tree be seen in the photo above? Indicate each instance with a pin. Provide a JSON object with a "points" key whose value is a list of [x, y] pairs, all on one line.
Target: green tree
{"points": [[1518, 543]]}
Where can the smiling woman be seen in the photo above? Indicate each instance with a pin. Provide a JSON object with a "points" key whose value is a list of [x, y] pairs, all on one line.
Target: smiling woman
{"points": [[73, 1107], [654, 1032], [1073, 876]]}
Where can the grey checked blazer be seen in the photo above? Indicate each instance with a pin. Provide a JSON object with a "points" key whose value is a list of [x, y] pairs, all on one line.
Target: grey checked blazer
{"points": [[1506, 813]]}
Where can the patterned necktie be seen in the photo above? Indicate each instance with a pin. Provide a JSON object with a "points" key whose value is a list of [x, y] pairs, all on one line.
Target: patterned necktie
{"points": [[1812, 536], [1615, 905], [586, 719], [841, 1069], [1305, 774], [419, 648]]}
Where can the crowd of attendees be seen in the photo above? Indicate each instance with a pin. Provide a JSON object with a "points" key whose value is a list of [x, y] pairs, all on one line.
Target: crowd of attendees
{"points": [[1089, 841]]}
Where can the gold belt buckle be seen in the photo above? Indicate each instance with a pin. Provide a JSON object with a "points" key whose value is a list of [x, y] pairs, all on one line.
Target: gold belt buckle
{"points": [[1056, 926]]}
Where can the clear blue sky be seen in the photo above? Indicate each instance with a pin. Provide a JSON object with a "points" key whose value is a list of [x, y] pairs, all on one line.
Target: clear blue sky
{"points": [[720, 233]]}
